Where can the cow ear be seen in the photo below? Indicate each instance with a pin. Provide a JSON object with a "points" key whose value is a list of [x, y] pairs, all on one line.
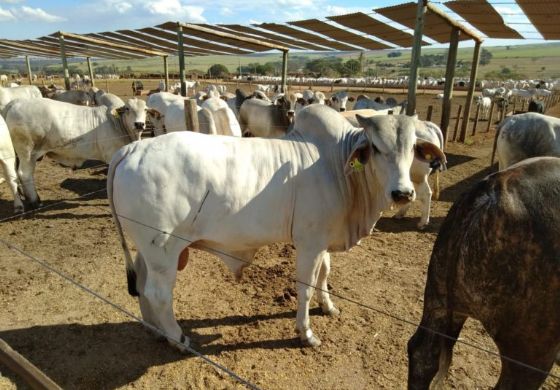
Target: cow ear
{"points": [[429, 153], [360, 155], [351, 98], [155, 113]]}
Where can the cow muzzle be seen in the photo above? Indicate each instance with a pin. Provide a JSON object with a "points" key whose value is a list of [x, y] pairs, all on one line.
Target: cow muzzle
{"points": [[342, 109], [139, 125], [402, 197]]}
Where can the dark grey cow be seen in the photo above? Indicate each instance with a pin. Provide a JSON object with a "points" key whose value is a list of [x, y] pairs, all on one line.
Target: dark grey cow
{"points": [[496, 259], [536, 106], [527, 135]]}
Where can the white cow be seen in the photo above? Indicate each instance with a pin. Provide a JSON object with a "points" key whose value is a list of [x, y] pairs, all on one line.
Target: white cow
{"points": [[339, 100], [23, 92], [169, 115], [527, 135], [102, 98], [484, 102], [420, 170], [364, 102], [224, 118], [8, 163], [69, 134], [265, 119], [326, 182]]}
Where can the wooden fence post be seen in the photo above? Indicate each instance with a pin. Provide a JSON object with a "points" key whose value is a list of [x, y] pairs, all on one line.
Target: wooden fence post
{"points": [[470, 93], [475, 120], [457, 121], [449, 79], [421, 10], [191, 115], [429, 114]]}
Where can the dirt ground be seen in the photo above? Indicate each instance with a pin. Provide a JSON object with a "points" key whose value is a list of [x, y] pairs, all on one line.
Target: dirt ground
{"points": [[83, 343]]}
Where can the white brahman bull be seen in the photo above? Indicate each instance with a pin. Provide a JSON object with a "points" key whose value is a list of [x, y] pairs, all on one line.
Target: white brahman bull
{"points": [[8, 163], [484, 102], [224, 118], [69, 134], [24, 92], [339, 100], [102, 98], [168, 114], [527, 135], [420, 170], [326, 181], [265, 119], [364, 102]]}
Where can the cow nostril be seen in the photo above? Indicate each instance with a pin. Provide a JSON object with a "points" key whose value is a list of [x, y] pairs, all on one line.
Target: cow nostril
{"points": [[139, 125], [342, 109], [401, 196]]}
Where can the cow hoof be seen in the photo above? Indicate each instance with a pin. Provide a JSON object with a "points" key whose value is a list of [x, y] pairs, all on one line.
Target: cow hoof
{"points": [[18, 210], [183, 346], [333, 312], [311, 341], [422, 226]]}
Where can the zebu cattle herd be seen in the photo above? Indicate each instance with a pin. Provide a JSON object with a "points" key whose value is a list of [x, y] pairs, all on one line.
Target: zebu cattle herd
{"points": [[303, 168]]}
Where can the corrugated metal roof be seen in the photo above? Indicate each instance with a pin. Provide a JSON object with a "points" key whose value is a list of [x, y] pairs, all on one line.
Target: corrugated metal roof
{"points": [[366, 24], [436, 27], [305, 36], [544, 14], [484, 17], [339, 34]]}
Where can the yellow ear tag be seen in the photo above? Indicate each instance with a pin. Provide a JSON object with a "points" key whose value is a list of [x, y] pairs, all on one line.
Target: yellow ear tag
{"points": [[357, 165]]}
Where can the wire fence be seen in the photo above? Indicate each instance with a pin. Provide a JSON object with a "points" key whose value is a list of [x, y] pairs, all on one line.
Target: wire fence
{"points": [[187, 241]]}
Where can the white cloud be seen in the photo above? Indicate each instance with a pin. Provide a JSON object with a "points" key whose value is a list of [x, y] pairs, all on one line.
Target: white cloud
{"points": [[226, 11], [39, 15], [6, 16], [176, 9], [12, 1]]}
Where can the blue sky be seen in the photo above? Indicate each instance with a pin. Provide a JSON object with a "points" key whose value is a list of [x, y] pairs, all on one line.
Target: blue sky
{"points": [[24, 19]]}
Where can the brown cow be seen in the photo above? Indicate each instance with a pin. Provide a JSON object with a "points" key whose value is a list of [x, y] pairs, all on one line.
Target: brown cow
{"points": [[497, 259]]}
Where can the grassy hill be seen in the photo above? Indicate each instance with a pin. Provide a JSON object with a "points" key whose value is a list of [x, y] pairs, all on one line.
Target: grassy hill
{"points": [[532, 61]]}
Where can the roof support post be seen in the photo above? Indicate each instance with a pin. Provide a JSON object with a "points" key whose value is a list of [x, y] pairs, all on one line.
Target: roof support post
{"points": [[90, 69], [415, 56], [64, 63], [470, 93], [285, 71], [29, 75], [181, 60], [166, 73], [449, 79]]}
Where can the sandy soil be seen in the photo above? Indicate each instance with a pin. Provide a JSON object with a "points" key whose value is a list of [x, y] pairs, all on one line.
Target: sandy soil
{"points": [[83, 343]]}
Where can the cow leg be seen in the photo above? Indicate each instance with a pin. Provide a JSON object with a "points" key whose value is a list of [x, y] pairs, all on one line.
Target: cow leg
{"points": [[11, 179], [402, 211], [158, 301], [26, 170], [424, 194], [430, 353], [308, 263], [145, 308], [323, 295], [516, 376]]}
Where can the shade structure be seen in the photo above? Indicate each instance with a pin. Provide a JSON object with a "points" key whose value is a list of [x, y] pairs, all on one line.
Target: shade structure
{"points": [[484, 17], [366, 24], [199, 32], [544, 14], [275, 37], [436, 25], [306, 36], [216, 48], [339, 34]]}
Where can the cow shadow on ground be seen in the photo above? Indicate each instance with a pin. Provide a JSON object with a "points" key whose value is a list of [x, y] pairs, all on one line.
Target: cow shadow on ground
{"points": [[111, 355], [451, 193], [82, 187], [407, 224], [457, 159]]}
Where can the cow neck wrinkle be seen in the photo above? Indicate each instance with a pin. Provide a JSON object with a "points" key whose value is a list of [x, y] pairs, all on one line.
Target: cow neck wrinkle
{"points": [[120, 124]]}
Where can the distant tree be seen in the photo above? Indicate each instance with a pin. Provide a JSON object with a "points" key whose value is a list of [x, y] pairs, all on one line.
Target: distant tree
{"points": [[394, 54], [485, 57], [352, 67], [218, 70]]}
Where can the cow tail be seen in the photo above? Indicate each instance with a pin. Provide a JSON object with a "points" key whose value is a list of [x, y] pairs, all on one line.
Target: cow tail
{"points": [[130, 272], [435, 194]]}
